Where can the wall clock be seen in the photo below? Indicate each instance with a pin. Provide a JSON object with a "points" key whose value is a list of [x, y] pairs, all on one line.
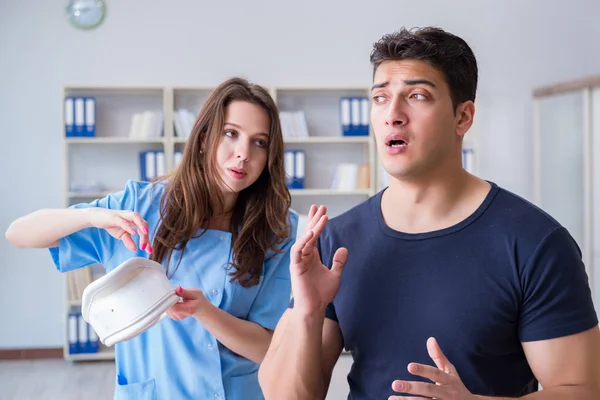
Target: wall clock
{"points": [[86, 14]]}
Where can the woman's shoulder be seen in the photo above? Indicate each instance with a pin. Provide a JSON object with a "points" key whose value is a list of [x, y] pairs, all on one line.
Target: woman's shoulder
{"points": [[144, 195]]}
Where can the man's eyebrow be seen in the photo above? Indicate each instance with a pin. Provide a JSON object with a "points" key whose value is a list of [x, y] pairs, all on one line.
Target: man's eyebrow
{"points": [[419, 82], [411, 82], [379, 85]]}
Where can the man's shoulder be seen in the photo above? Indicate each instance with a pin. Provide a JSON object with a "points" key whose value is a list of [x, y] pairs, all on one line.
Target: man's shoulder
{"points": [[524, 225], [517, 212]]}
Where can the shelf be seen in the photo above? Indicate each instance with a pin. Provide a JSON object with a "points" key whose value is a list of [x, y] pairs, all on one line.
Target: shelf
{"points": [[312, 139], [329, 139], [112, 140], [105, 353], [101, 164], [329, 192]]}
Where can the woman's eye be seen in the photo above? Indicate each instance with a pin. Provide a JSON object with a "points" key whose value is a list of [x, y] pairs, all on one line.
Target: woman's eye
{"points": [[262, 143], [230, 133]]}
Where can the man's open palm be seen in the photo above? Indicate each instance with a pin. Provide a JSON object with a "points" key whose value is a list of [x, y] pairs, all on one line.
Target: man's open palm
{"points": [[313, 284]]}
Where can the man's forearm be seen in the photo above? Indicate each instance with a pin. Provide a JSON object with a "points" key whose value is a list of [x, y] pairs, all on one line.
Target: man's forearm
{"points": [[292, 368], [575, 392]]}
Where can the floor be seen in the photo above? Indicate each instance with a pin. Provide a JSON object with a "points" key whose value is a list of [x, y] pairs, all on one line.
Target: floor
{"points": [[58, 379]]}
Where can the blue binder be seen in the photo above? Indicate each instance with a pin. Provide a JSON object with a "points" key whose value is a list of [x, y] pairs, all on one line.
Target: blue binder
{"points": [[80, 116], [295, 169], [354, 116]]}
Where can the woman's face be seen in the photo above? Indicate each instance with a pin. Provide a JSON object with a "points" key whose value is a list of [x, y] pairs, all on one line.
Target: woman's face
{"points": [[243, 147]]}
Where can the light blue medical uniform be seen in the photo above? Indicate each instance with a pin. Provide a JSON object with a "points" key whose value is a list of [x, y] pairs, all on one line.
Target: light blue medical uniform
{"points": [[181, 359]]}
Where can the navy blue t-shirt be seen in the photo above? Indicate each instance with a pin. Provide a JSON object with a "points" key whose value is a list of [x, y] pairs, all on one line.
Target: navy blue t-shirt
{"points": [[507, 274]]}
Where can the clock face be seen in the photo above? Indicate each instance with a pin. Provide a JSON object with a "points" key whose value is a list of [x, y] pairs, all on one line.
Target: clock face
{"points": [[86, 14]]}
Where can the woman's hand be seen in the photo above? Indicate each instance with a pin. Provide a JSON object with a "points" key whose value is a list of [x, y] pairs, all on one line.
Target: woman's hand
{"points": [[193, 303], [122, 225]]}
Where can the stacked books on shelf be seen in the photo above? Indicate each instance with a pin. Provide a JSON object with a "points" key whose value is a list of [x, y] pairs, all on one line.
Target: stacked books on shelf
{"points": [[183, 122], [80, 116], [350, 176], [354, 116], [293, 124], [146, 124]]}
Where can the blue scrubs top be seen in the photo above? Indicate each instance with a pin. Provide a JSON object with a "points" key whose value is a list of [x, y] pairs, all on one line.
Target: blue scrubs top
{"points": [[181, 359]]}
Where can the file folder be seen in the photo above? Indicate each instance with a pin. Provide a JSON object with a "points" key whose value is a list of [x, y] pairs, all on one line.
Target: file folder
{"points": [[90, 117], [72, 331], [69, 117], [354, 116]]}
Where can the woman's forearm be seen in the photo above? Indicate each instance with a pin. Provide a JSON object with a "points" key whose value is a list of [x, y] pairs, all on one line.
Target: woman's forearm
{"points": [[43, 228], [245, 338]]}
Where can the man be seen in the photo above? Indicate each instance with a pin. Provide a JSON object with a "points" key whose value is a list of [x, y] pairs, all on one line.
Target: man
{"points": [[453, 288]]}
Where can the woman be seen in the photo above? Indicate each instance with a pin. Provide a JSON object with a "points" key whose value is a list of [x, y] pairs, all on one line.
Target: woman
{"points": [[221, 225]]}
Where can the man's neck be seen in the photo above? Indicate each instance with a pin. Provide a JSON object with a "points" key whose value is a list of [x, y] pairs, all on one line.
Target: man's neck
{"points": [[434, 203]]}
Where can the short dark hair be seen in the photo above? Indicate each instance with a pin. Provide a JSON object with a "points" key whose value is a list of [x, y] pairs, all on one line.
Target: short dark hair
{"points": [[444, 51]]}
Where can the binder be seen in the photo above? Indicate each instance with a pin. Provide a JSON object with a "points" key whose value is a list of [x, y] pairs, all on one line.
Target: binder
{"points": [[299, 170], [90, 117], [82, 334], [148, 168], [69, 117], [354, 116], [79, 116], [72, 331], [364, 116], [345, 115], [288, 162]]}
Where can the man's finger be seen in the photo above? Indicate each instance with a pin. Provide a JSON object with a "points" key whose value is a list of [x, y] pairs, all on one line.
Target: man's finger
{"points": [[427, 371], [321, 210], [317, 229], [311, 212], [428, 390], [438, 357], [339, 260], [298, 247]]}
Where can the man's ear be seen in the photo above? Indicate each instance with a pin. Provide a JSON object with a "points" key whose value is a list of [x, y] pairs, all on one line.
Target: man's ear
{"points": [[465, 113]]}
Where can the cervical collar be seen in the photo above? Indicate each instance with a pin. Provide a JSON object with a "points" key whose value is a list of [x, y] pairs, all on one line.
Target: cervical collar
{"points": [[128, 300]]}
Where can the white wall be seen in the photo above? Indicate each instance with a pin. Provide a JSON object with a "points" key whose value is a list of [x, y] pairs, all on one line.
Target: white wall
{"points": [[519, 45]]}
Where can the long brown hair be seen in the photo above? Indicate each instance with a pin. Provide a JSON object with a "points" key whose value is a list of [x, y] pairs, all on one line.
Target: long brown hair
{"points": [[259, 219]]}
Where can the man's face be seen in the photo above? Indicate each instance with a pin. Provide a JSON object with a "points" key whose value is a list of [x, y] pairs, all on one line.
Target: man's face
{"points": [[413, 118]]}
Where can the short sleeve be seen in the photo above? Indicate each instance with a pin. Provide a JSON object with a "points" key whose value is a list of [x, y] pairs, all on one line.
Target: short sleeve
{"points": [[557, 298], [92, 245], [274, 294]]}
